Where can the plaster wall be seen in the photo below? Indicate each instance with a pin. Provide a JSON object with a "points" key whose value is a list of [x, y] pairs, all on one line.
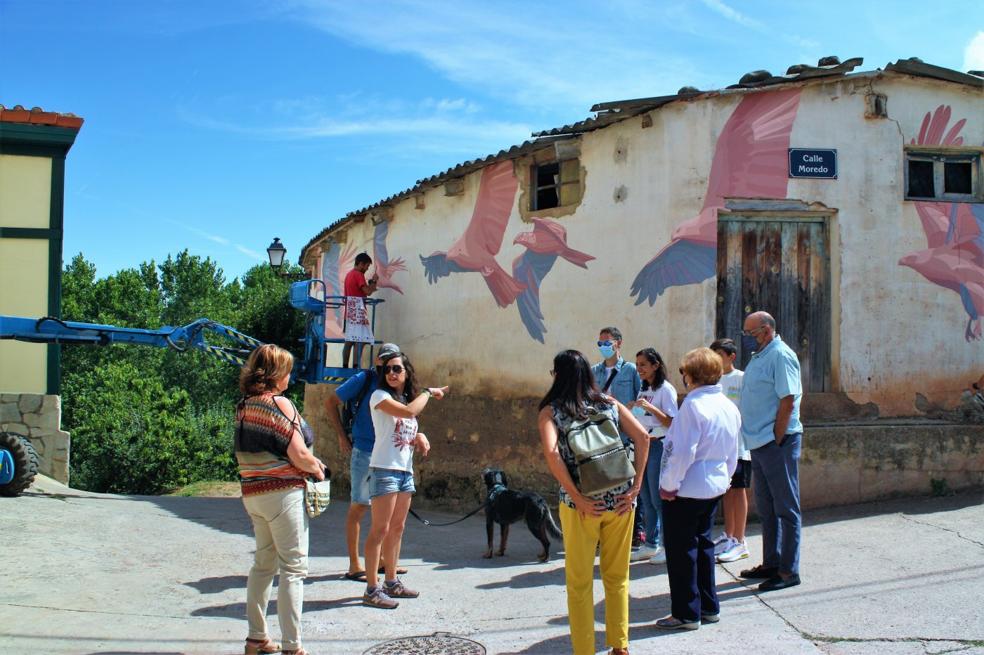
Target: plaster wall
{"points": [[25, 191], [23, 292]]}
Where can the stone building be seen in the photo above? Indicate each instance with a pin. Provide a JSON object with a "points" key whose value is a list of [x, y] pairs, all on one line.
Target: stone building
{"points": [[847, 203]]}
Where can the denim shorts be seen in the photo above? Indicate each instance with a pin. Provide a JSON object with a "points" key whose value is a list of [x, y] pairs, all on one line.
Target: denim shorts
{"points": [[359, 471], [391, 481]]}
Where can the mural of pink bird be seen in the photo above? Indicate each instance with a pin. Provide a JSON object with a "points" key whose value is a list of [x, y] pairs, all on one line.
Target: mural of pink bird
{"points": [[954, 232], [544, 244], [385, 267], [475, 251], [336, 262], [750, 161]]}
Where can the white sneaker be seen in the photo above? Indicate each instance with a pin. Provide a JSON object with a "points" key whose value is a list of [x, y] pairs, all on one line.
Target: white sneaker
{"points": [[737, 551], [723, 543], [645, 551], [659, 557]]}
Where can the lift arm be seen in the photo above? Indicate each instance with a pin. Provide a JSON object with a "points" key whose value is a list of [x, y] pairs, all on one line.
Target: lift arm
{"points": [[191, 336]]}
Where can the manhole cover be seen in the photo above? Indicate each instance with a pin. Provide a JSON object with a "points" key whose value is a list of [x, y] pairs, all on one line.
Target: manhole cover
{"points": [[439, 643]]}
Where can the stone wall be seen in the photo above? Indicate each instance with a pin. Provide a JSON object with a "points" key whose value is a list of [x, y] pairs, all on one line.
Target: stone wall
{"points": [[38, 417]]}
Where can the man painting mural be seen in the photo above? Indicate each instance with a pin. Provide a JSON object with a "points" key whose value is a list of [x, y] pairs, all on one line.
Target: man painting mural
{"points": [[357, 286], [619, 379], [771, 429]]}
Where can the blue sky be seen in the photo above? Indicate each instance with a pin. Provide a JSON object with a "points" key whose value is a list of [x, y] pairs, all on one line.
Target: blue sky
{"points": [[215, 126]]}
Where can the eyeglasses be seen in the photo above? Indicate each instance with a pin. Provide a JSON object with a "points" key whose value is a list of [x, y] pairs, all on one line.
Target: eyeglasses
{"points": [[751, 333], [607, 342], [395, 369]]}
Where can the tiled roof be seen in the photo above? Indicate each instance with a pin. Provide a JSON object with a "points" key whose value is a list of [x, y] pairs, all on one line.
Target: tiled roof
{"points": [[608, 113], [38, 116]]}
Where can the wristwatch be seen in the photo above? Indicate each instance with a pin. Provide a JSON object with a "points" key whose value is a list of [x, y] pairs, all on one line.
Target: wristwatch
{"points": [[427, 391]]}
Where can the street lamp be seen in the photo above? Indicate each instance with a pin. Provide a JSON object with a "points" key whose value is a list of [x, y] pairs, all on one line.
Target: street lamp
{"points": [[277, 254]]}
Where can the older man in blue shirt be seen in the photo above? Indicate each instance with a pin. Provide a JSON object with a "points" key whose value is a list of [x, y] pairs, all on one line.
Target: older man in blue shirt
{"points": [[771, 430]]}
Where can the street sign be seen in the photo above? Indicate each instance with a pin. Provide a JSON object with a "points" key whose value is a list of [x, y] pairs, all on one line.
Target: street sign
{"points": [[813, 162]]}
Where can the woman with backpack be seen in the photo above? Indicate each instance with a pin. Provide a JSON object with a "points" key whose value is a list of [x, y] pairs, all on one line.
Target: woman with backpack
{"points": [[597, 494]]}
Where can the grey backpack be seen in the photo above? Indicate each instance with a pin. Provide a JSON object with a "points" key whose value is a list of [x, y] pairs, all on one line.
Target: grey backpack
{"points": [[602, 461]]}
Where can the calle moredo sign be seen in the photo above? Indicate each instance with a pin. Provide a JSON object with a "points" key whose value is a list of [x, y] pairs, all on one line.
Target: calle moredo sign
{"points": [[813, 162]]}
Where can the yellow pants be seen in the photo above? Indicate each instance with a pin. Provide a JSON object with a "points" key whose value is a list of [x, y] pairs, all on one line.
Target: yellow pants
{"points": [[581, 538]]}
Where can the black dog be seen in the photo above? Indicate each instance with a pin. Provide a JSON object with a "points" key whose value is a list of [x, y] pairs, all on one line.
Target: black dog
{"points": [[505, 506]]}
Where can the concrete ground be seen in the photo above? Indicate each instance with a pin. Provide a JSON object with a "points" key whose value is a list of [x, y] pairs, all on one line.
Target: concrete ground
{"points": [[102, 574]]}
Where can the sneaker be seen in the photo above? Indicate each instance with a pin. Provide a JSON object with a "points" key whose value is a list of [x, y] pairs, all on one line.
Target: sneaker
{"points": [[737, 551], [759, 572], [723, 543], [645, 551], [709, 618], [673, 623], [399, 590], [376, 597], [638, 539], [659, 557]]}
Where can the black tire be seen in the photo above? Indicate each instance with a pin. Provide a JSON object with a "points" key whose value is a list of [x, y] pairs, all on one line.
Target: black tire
{"points": [[25, 463]]}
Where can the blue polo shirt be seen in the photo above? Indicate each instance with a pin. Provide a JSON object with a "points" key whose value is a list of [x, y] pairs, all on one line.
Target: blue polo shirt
{"points": [[772, 374], [363, 435], [627, 383]]}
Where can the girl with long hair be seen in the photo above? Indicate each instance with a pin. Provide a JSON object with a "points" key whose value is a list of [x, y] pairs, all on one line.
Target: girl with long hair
{"points": [[588, 522], [394, 406], [655, 407]]}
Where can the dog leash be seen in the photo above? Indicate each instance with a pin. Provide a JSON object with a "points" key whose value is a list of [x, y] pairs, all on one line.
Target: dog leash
{"points": [[441, 525]]}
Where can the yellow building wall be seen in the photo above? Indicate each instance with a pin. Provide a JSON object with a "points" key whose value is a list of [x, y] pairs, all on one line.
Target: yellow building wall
{"points": [[25, 191], [25, 200]]}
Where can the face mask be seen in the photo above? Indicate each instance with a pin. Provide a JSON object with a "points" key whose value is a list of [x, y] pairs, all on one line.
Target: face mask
{"points": [[606, 351], [749, 344]]}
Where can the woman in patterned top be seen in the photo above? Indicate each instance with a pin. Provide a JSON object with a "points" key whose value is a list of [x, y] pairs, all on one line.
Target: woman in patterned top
{"points": [[588, 521], [273, 448]]}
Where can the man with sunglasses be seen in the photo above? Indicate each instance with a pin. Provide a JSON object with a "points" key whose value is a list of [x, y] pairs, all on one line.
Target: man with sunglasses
{"points": [[619, 379], [772, 431], [358, 444]]}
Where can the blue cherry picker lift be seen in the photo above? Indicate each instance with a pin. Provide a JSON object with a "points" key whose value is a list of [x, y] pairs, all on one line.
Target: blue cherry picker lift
{"points": [[19, 461]]}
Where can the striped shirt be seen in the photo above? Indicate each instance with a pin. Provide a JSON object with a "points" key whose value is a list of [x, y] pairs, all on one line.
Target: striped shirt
{"points": [[263, 433]]}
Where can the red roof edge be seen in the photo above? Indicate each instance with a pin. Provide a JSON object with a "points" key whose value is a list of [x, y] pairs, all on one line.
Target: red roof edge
{"points": [[38, 116]]}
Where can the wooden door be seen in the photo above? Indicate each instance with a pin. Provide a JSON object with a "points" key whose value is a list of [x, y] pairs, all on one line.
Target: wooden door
{"points": [[781, 266]]}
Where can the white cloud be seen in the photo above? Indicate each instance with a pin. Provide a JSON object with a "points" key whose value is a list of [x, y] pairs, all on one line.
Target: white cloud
{"points": [[251, 253], [732, 14], [974, 53], [525, 53]]}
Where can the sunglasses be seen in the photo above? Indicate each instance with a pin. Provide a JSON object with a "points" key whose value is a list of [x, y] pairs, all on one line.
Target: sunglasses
{"points": [[395, 369], [606, 343]]}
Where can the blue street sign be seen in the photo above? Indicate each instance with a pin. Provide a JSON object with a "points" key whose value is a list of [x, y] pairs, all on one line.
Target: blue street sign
{"points": [[813, 162]]}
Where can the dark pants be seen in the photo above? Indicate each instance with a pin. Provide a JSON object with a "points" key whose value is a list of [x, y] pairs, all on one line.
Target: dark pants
{"points": [[690, 556], [775, 471]]}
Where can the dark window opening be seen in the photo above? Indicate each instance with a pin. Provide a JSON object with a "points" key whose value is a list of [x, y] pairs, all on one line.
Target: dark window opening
{"points": [[921, 179], [547, 183], [958, 177], [555, 184]]}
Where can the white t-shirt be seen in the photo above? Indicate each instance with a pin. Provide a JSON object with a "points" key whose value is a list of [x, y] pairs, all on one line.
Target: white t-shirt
{"points": [[664, 398], [395, 437], [731, 386]]}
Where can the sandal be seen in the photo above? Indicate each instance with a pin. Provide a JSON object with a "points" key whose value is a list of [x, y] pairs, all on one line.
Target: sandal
{"points": [[399, 571], [355, 576], [261, 646]]}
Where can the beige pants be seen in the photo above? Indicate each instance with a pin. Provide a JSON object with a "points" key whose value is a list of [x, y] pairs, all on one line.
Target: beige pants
{"points": [[281, 527]]}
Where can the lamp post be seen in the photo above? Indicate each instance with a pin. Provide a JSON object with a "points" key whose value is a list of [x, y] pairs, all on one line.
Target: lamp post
{"points": [[277, 254]]}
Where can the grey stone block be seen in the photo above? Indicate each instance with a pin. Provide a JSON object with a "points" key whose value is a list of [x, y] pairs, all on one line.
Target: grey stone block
{"points": [[30, 402], [9, 413]]}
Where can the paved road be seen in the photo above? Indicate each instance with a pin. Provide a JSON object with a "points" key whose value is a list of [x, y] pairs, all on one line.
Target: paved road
{"points": [[101, 574]]}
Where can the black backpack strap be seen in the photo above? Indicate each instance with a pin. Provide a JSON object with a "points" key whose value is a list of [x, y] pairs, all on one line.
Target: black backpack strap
{"points": [[608, 383]]}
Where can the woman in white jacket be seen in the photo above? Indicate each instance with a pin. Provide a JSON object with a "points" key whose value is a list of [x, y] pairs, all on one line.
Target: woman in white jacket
{"points": [[700, 454]]}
